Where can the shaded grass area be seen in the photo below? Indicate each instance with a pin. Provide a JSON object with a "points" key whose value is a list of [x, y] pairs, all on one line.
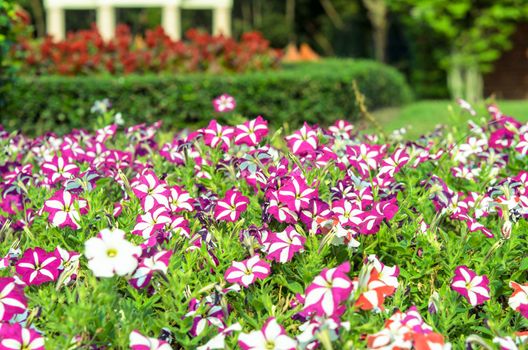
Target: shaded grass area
{"points": [[421, 117]]}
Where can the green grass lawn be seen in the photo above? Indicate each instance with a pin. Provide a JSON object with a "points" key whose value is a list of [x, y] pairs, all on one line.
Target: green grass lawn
{"points": [[421, 117]]}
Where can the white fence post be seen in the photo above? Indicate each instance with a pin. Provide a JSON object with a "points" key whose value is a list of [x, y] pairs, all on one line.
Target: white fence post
{"points": [[56, 23], [106, 21]]}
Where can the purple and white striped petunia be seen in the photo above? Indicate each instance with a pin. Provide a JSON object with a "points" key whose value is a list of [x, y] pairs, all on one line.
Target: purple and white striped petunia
{"points": [[272, 337], [283, 245], [328, 291], [12, 299], [251, 132], [246, 272], [231, 206], [139, 342], [36, 266], [59, 169], [471, 286], [16, 337], [62, 209], [151, 191], [147, 267]]}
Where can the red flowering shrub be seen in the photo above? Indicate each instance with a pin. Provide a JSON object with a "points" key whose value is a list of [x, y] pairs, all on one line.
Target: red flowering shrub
{"points": [[85, 52]]}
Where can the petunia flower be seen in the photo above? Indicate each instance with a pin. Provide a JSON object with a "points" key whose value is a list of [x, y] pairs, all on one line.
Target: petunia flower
{"points": [[246, 272], [272, 337], [376, 281], [231, 206], [328, 291], [147, 267], [519, 298], [151, 191], [36, 266], [284, 245], [16, 337], [111, 254], [12, 299], [216, 135], [407, 330], [296, 194], [471, 286], [155, 219], [251, 132], [180, 200], [224, 103], [59, 168], [303, 141], [62, 209], [139, 342], [218, 341]]}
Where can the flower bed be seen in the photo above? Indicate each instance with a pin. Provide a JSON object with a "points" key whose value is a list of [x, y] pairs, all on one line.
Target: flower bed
{"points": [[85, 52], [236, 236]]}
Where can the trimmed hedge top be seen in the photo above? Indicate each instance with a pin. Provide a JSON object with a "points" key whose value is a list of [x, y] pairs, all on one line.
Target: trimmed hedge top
{"points": [[313, 92]]}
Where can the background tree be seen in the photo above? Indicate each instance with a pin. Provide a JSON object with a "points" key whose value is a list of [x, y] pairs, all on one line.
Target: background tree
{"points": [[7, 40], [377, 13], [477, 32]]}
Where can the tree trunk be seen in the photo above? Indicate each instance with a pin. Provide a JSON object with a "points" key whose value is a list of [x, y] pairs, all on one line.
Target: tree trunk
{"points": [[290, 19], [465, 79], [377, 14], [38, 11]]}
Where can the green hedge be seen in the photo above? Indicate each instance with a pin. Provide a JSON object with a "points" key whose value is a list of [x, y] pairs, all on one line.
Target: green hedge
{"points": [[313, 92]]}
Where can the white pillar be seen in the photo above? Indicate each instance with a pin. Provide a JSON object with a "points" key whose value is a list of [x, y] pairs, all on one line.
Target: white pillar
{"points": [[171, 21], [106, 21], [222, 21], [56, 24]]}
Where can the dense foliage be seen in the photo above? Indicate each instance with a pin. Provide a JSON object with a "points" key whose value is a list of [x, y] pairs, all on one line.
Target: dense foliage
{"points": [[8, 23], [85, 52], [476, 34], [319, 92], [326, 238]]}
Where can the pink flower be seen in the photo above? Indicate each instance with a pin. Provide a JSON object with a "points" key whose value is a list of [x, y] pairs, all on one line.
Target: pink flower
{"points": [[328, 290], [296, 194], [272, 337], [59, 169], [151, 191], [341, 128], [519, 298], [247, 271], [231, 206], [12, 299], [471, 286], [217, 135], [152, 221], [284, 245], [394, 163], [280, 210], [139, 342], [147, 267], [15, 337], [251, 132], [303, 141], [224, 103], [61, 207], [180, 200], [36, 266], [365, 157]]}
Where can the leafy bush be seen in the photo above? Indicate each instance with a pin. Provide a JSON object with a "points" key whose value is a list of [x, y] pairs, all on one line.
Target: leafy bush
{"points": [[316, 92], [85, 52], [325, 238]]}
